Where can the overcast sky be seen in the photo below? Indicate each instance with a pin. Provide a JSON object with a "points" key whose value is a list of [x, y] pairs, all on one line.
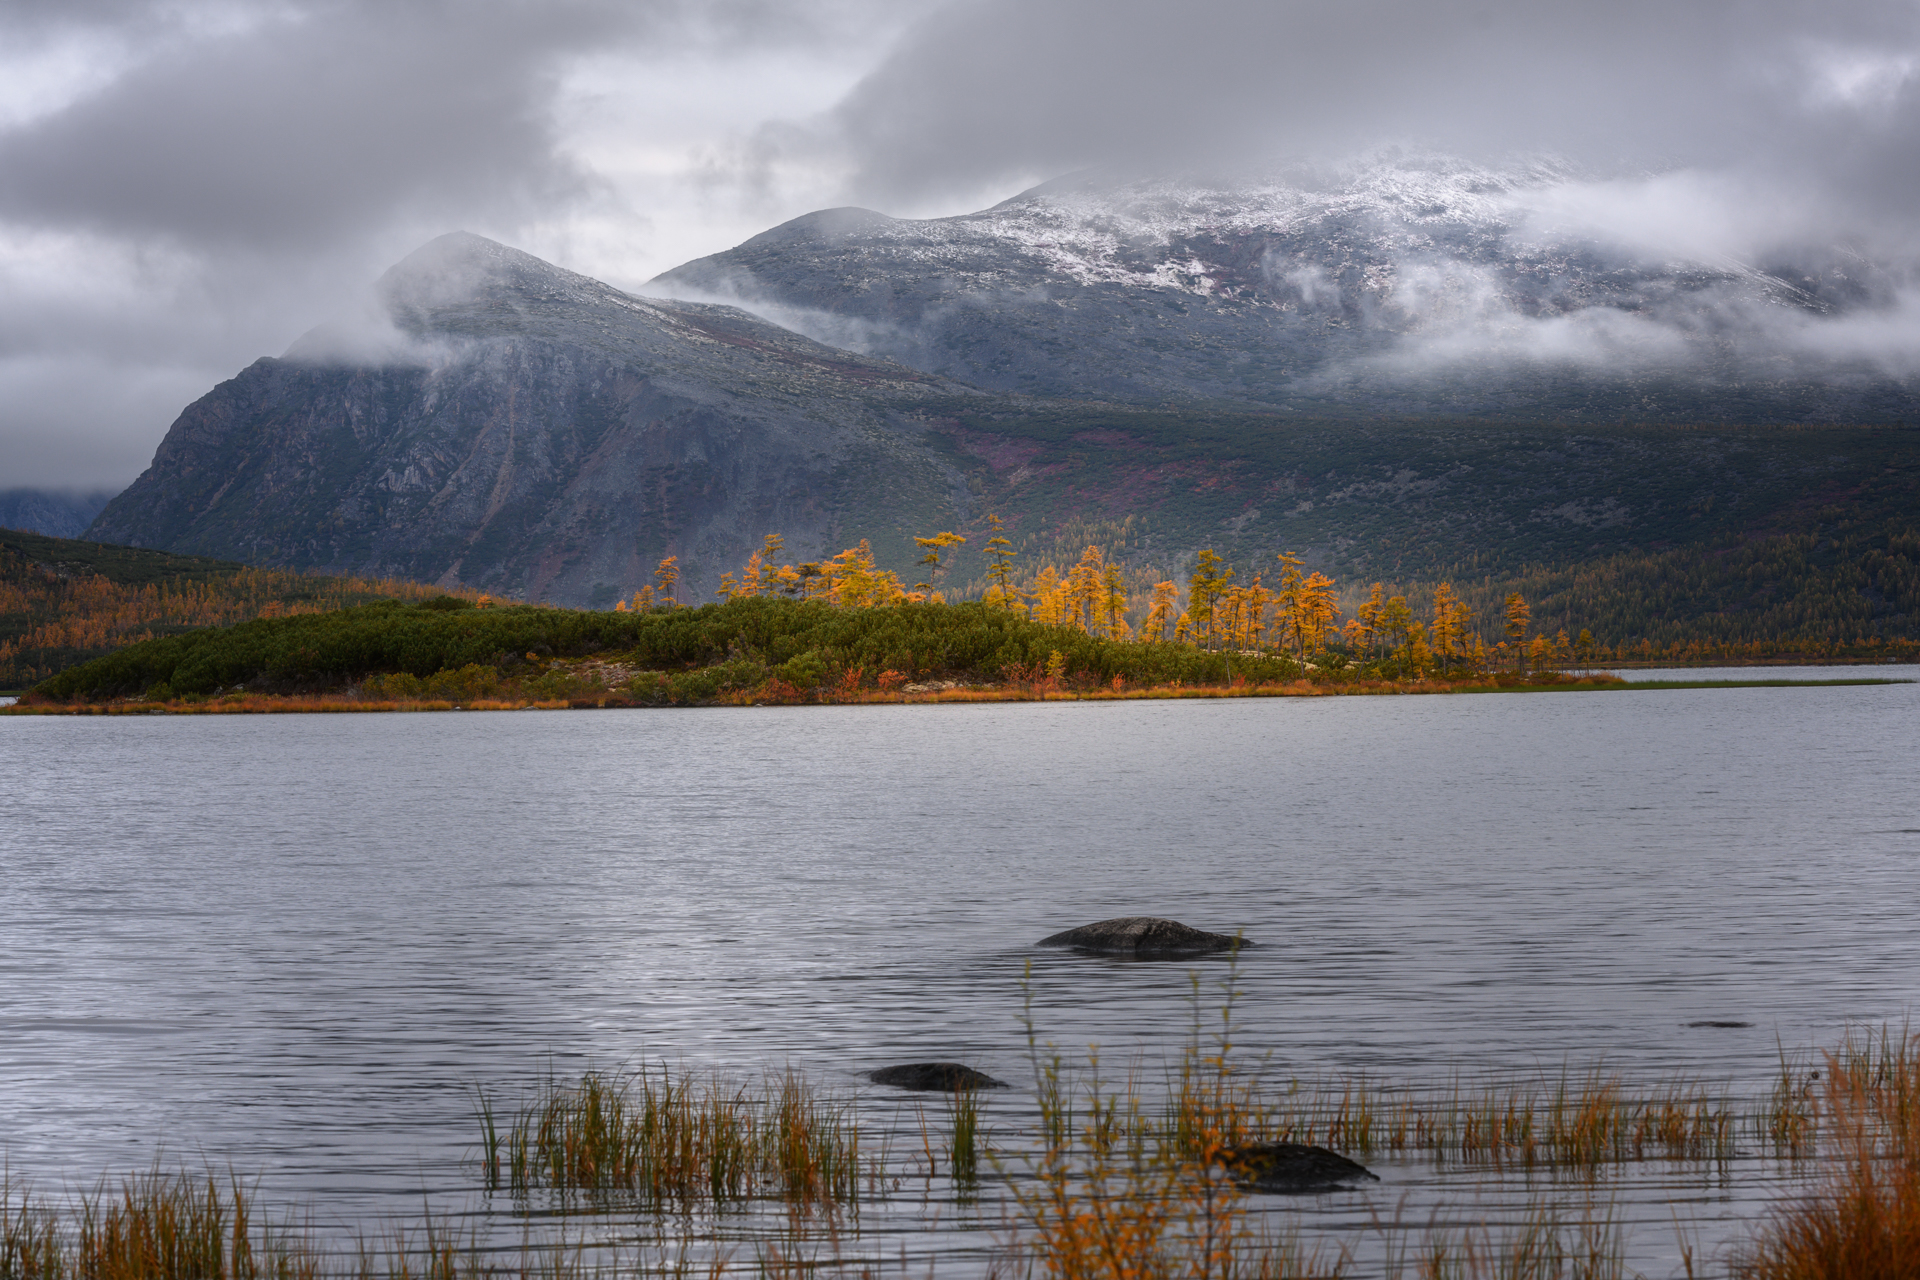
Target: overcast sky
{"points": [[186, 185]]}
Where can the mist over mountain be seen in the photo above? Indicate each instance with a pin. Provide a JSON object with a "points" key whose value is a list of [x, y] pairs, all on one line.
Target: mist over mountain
{"points": [[58, 513], [501, 423], [1404, 284], [490, 420]]}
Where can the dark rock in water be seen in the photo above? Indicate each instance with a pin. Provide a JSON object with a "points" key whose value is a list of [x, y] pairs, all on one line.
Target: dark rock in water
{"points": [[1292, 1166], [1143, 936], [946, 1077]]}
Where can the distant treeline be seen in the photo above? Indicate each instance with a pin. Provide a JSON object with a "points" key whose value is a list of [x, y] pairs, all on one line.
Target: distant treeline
{"points": [[64, 601], [1838, 588]]}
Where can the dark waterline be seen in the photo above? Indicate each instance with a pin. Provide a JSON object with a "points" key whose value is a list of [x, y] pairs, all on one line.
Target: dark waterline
{"points": [[294, 944]]}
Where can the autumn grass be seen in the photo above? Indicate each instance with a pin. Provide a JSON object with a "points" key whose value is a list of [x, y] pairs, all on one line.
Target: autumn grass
{"points": [[348, 702], [344, 702], [154, 1226], [1120, 1190], [661, 1137], [279, 704], [1119, 1176], [1862, 1221], [1546, 1244], [203, 1226]]}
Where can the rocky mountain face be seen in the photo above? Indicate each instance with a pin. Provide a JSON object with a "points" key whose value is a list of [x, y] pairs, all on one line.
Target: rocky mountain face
{"points": [[511, 426], [502, 424], [1409, 286]]}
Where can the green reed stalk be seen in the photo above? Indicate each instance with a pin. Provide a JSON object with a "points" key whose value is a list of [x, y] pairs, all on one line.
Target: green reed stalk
{"points": [[661, 1137], [963, 1147]]}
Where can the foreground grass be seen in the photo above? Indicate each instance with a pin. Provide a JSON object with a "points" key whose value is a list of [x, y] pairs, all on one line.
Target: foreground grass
{"points": [[1104, 1180], [661, 1138]]}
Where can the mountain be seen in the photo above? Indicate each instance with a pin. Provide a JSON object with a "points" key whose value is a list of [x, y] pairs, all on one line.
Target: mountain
{"points": [[504, 425], [508, 425], [58, 513], [1411, 285]]}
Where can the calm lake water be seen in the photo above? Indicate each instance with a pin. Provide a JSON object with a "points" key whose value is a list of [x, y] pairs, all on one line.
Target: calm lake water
{"points": [[296, 944]]}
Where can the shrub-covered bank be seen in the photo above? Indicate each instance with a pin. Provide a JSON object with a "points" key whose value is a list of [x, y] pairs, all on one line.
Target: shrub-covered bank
{"points": [[759, 649]]}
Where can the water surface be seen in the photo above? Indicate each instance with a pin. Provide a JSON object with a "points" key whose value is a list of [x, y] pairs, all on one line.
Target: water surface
{"points": [[297, 943]]}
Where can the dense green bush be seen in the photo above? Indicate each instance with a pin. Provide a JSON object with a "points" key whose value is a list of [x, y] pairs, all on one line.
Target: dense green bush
{"points": [[429, 650]]}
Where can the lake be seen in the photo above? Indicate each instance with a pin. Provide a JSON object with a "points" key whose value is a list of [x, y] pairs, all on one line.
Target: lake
{"points": [[296, 945]]}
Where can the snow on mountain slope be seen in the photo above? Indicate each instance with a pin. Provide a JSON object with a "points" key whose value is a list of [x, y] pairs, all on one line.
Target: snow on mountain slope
{"points": [[1410, 284]]}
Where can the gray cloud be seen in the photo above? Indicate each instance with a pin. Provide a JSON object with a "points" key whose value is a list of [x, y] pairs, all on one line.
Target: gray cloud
{"points": [[188, 184], [1791, 90], [307, 126]]}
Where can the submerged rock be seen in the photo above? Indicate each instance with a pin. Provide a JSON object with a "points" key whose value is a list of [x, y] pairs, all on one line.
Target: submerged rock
{"points": [[947, 1077], [1143, 936], [1292, 1167]]}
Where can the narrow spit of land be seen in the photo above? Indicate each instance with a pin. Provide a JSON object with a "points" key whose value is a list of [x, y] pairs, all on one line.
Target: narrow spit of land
{"points": [[447, 653], [350, 701]]}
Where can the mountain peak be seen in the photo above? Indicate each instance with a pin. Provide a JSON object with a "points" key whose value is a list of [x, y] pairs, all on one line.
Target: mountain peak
{"points": [[460, 268]]}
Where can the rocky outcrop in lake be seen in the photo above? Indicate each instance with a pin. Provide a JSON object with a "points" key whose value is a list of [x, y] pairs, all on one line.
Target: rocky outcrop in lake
{"points": [[935, 1077], [1293, 1167], [1143, 936]]}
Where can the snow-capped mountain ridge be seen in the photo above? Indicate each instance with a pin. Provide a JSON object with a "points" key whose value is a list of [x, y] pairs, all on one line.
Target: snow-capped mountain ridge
{"points": [[1365, 283]]}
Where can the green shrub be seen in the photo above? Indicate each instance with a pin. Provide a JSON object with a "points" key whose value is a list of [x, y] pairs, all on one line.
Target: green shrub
{"points": [[457, 653], [464, 685], [803, 671]]}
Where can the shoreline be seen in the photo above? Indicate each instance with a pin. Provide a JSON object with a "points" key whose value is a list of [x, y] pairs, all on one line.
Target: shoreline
{"points": [[337, 704]]}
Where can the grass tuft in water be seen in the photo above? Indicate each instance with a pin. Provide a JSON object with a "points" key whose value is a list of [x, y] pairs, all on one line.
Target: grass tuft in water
{"points": [[1863, 1222], [155, 1226], [661, 1137], [964, 1142]]}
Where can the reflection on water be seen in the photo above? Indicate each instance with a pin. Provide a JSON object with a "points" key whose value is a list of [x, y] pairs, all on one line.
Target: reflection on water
{"points": [[296, 944]]}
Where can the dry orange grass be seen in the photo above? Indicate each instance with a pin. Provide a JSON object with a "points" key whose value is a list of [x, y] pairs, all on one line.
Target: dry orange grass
{"points": [[155, 1227], [663, 1137], [1863, 1221]]}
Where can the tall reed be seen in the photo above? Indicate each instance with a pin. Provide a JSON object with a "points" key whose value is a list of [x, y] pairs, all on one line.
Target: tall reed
{"points": [[964, 1142], [1564, 1120], [1543, 1245], [661, 1137], [1114, 1194], [155, 1226], [1863, 1220]]}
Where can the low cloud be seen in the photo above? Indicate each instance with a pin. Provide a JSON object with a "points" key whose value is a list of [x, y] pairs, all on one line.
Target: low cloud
{"points": [[189, 184], [1781, 91]]}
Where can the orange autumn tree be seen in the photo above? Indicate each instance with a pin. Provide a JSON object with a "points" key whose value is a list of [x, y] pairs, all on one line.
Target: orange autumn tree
{"points": [[1302, 617], [1518, 616], [933, 547]]}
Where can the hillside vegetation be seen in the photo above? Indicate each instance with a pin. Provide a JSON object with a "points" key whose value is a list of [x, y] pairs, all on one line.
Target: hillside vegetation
{"points": [[64, 602], [439, 648], [847, 625]]}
